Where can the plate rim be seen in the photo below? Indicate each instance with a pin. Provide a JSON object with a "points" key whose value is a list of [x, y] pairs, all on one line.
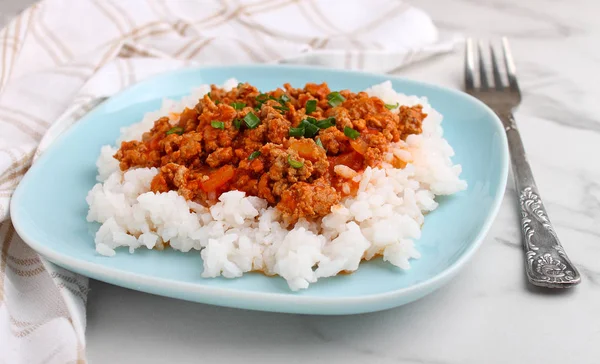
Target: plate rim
{"points": [[167, 285]]}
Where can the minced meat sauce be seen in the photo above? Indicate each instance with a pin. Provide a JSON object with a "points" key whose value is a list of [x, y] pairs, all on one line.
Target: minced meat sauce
{"points": [[282, 146]]}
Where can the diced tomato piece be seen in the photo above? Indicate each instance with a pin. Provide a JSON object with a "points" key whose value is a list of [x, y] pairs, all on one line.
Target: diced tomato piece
{"points": [[306, 149], [218, 178], [353, 160], [359, 145]]}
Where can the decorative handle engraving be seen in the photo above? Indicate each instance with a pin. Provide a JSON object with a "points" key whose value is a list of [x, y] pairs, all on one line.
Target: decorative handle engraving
{"points": [[547, 263]]}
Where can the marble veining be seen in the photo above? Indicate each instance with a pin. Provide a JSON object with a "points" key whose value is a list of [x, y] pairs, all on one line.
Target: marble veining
{"points": [[488, 314]]}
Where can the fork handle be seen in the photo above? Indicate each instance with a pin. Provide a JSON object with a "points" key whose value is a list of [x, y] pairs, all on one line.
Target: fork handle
{"points": [[547, 263]]}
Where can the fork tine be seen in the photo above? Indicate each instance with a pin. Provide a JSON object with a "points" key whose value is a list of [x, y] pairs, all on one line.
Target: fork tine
{"points": [[469, 65], [497, 78], [510, 65], [482, 75]]}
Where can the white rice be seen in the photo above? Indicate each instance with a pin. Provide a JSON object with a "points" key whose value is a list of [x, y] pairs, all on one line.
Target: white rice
{"points": [[242, 233]]}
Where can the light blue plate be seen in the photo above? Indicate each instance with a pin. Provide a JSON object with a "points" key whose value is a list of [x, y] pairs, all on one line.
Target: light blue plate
{"points": [[49, 209]]}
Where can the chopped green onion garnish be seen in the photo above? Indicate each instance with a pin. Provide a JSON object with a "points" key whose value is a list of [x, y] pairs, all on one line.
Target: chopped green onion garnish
{"points": [[240, 85], [310, 129], [209, 96], [237, 123], [238, 105], [283, 99], [391, 107], [294, 163], [311, 106], [217, 124], [325, 123], [254, 155], [335, 98], [311, 120], [296, 132], [217, 102], [351, 133], [262, 98], [251, 120], [319, 143], [281, 108], [176, 130]]}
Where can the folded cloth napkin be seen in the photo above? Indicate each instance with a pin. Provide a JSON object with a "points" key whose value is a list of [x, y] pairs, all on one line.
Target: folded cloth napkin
{"points": [[59, 57]]}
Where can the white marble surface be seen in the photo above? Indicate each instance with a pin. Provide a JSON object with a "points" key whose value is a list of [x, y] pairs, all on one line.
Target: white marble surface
{"points": [[487, 314]]}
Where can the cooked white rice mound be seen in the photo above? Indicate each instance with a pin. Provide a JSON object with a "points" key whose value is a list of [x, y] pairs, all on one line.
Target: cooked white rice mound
{"points": [[242, 233]]}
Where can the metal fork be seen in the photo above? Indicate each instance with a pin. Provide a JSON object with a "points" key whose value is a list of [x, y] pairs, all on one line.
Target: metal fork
{"points": [[547, 263]]}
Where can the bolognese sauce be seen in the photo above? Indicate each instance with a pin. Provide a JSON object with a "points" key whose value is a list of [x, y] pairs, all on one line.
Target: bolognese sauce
{"points": [[282, 145]]}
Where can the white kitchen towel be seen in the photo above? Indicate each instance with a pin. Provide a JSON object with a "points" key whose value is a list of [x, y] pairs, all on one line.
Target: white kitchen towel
{"points": [[60, 56]]}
